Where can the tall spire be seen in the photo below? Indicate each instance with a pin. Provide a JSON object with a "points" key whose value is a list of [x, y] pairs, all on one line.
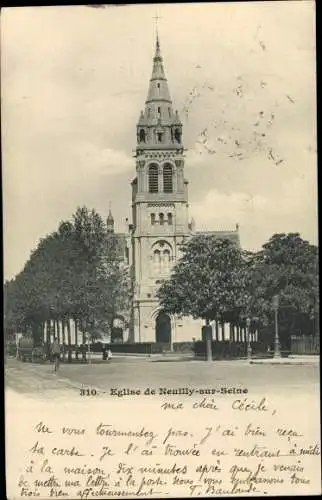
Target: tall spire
{"points": [[158, 90], [110, 220], [157, 50], [157, 46], [159, 126]]}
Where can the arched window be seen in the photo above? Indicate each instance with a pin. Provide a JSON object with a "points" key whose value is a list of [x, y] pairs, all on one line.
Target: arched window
{"points": [[159, 136], [158, 87], [157, 261], [177, 135], [169, 111], [159, 112], [165, 261], [161, 257], [170, 219], [161, 219], [167, 179], [142, 135], [152, 219], [153, 179]]}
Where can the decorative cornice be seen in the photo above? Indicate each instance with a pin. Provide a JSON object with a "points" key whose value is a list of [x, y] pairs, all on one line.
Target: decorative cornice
{"points": [[152, 155], [160, 204]]}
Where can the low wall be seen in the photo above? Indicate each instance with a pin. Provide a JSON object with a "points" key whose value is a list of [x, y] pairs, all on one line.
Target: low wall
{"points": [[228, 350]]}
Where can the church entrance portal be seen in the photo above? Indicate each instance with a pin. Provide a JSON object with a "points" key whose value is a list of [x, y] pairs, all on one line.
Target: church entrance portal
{"points": [[163, 328]]}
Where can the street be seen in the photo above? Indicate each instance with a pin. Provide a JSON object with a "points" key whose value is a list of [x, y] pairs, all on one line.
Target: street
{"points": [[39, 380], [96, 399]]}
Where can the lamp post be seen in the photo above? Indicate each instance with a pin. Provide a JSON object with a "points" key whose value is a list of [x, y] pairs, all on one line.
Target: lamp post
{"points": [[249, 349], [277, 351]]}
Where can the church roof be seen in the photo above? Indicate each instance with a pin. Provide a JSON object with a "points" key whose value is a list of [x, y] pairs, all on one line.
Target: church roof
{"points": [[110, 218], [161, 92], [158, 105]]}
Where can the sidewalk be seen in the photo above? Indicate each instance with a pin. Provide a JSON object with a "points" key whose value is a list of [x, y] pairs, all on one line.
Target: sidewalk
{"points": [[166, 357], [291, 360]]}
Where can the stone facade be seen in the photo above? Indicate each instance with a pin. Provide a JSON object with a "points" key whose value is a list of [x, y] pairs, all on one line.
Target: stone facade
{"points": [[160, 219], [159, 211]]}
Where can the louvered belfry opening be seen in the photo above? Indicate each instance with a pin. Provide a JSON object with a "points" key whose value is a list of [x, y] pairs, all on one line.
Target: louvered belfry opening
{"points": [[167, 179], [153, 179]]}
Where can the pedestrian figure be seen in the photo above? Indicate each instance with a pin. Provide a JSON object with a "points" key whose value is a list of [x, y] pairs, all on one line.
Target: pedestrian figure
{"points": [[55, 352]]}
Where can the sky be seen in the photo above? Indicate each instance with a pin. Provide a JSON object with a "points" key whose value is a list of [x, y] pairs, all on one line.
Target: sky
{"points": [[73, 83]]}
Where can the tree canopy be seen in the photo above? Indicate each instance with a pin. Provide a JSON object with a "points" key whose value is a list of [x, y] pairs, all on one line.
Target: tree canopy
{"points": [[216, 280], [286, 266], [208, 282], [73, 273]]}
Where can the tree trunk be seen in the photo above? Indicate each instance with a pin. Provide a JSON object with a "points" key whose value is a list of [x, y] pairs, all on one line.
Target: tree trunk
{"points": [[84, 334], [36, 332], [222, 331], [110, 325], [68, 332], [62, 323], [208, 341], [76, 331], [231, 333], [217, 330], [58, 331], [48, 332]]}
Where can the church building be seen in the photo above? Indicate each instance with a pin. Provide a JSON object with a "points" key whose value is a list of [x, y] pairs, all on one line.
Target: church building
{"points": [[151, 245], [160, 219]]}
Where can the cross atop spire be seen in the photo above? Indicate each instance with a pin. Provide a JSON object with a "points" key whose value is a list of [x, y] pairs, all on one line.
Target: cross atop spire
{"points": [[157, 48], [156, 17]]}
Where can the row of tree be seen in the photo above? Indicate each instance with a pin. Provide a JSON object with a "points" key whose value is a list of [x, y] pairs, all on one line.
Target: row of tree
{"points": [[75, 273], [216, 280]]}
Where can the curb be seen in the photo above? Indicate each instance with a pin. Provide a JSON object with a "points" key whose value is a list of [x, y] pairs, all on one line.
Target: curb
{"points": [[298, 363]]}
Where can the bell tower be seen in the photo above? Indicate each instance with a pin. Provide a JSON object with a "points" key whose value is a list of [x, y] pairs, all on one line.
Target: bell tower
{"points": [[159, 201]]}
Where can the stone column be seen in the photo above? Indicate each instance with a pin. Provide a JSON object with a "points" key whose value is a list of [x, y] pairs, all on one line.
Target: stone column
{"points": [[174, 179], [160, 170]]}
